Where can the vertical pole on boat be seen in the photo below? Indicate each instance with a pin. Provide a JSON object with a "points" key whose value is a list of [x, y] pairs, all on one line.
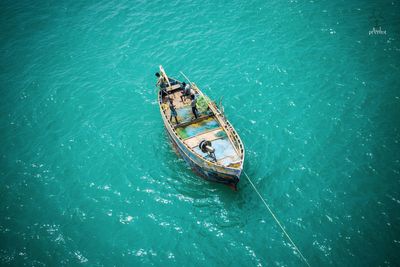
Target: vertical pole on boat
{"points": [[164, 75], [186, 78]]}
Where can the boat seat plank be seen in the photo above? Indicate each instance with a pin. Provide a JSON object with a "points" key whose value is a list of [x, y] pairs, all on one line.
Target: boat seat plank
{"points": [[186, 123], [173, 87], [210, 136]]}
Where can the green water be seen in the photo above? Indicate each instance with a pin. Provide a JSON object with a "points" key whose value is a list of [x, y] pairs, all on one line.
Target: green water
{"points": [[88, 176]]}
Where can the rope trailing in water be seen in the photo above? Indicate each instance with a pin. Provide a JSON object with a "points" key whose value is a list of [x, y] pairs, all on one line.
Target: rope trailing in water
{"points": [[276, 219]]}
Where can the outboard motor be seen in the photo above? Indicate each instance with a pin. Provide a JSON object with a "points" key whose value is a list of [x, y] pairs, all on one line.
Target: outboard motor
{"points": [[205, 147]]}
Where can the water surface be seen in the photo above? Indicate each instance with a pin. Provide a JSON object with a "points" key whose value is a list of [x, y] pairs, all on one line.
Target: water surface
{"points": [[87, 172]]}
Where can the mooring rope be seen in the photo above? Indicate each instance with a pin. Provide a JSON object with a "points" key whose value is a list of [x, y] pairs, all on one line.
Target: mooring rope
{"points": [[276, 219]]}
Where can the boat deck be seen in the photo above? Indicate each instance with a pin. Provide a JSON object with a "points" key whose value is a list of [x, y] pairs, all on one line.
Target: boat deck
{"points": [[192, 131]]}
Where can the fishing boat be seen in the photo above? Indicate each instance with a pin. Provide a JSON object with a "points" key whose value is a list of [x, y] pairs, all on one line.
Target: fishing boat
{"points": [[205, 139]]}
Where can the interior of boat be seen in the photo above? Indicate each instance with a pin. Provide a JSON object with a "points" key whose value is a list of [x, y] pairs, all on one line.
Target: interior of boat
{"points": [[206, 127]]}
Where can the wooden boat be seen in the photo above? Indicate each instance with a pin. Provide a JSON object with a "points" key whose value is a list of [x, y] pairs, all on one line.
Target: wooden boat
{"points": [[208, 143]]}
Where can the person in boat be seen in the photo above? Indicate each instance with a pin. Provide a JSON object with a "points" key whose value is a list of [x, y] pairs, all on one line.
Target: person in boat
{"points": [[193, 105], [173, 81], [163, 83], [186, 91], [172, 111], [160, 81]]}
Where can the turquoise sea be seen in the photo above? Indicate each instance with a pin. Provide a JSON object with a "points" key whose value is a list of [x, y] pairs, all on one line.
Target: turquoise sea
{"points": [[88, 176]]}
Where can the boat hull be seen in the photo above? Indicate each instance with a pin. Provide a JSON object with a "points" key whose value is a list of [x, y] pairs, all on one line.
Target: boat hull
{"points": [[219, 174]]}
